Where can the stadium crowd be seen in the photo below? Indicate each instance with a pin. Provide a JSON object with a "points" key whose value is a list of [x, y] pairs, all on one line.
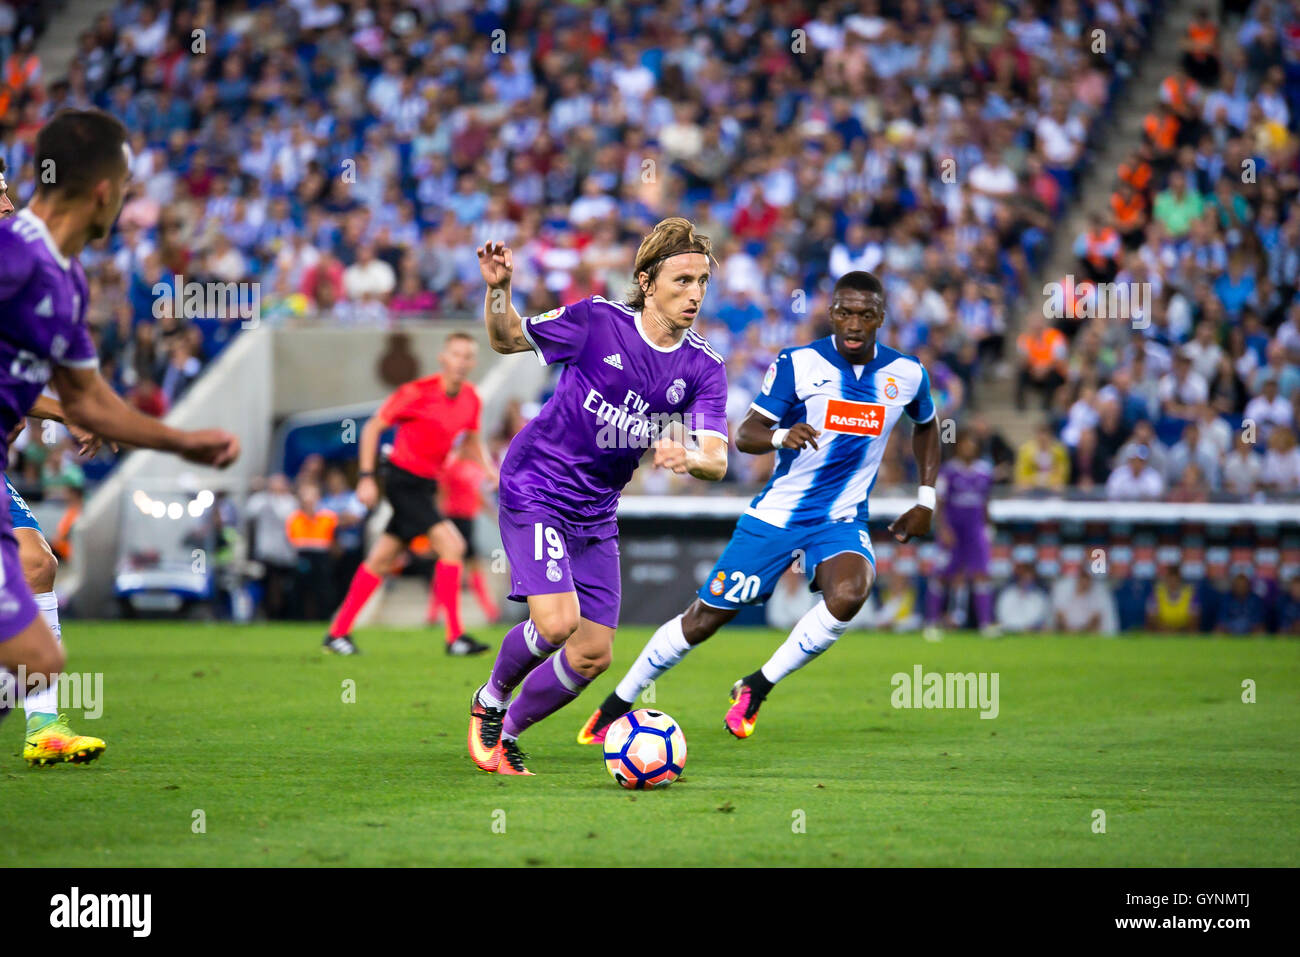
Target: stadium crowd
{"points": [[1196, 397], [345, 158], [348, 157]]}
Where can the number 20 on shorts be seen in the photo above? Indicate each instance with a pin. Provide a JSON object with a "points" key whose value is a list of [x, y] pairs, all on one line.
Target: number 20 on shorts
{"points": [[744, 589]]}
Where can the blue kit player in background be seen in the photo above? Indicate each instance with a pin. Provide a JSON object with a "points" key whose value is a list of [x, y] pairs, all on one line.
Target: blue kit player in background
{"points": [[828, 409], [44, 340]]}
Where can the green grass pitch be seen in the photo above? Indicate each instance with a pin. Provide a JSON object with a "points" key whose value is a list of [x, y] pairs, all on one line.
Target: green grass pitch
{"points": [[249, 726]]}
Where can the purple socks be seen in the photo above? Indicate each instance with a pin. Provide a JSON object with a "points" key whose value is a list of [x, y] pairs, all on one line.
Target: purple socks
{"points": [[543, 693], [934, 603], [522, 650]]}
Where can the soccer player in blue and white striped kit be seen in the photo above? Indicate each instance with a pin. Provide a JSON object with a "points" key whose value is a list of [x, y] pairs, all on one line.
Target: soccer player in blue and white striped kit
{"points": [[828, 408]]}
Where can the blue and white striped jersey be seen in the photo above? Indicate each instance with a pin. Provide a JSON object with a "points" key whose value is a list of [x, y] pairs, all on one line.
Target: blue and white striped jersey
{"points": [[853, 408]]}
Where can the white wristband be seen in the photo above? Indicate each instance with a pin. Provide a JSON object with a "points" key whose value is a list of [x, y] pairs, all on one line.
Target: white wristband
{"points": [[925, 497], [778, 437]]}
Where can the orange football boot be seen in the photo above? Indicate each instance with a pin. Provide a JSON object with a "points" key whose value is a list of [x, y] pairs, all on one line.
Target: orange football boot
{"points": [[484, 737]]}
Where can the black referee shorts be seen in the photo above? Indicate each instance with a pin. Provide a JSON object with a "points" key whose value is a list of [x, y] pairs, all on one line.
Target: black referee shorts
{"points": [[414, 500], [466, 528]]}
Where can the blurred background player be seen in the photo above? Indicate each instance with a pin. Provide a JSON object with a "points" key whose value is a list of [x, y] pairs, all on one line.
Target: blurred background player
{"points": [[44, 339], [430, 415], [626, 367], [833, 404], [461, 499], [965, 485], [48, 739]]}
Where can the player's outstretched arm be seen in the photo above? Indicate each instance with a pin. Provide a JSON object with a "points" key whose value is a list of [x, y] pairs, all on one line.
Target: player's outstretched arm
{"points": [[925, 446], [504, 324], [756, 435], [90, 402], [46, 408]]}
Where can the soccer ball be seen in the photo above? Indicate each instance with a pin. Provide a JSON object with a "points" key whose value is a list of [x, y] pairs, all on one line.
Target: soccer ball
{"points": [[645, 749]]}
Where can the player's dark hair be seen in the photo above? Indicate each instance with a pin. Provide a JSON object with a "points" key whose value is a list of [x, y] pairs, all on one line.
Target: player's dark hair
{"points": [[78, 149], [671, 237], [861, 281]]}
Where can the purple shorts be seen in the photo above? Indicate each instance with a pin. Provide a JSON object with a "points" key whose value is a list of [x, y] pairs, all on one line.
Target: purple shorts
{"points": [[17, 607], [971, 552], [548, 556]]}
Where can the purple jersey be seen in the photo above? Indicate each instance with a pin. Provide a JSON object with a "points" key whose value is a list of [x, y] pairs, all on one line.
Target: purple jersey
{"points": [[42, 316], [964, 491], [616, 390]]}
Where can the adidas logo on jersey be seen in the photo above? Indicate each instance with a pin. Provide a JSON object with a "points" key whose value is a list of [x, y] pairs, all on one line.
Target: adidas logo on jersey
{"points": [[615, 360]]}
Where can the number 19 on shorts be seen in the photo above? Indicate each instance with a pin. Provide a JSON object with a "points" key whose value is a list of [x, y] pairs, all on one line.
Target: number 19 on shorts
{"points": [[546, 539]]}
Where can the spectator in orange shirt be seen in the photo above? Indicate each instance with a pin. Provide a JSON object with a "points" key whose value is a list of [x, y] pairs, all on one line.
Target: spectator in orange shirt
{"points": [[1041, 356], [1137, 172], [1129, 208], [1160, 128], [311, 533], [1201, 48], [20, 77], [1184, 96], [62, 542], [1098, 249]]}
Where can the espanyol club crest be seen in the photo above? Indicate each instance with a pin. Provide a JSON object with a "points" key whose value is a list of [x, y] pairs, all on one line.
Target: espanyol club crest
{"points": [[553, 573], [677, 391], [891, 389], [716, 586]]}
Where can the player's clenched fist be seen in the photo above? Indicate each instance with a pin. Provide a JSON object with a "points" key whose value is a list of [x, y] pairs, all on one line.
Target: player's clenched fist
{"points": [[214, 447], [800, 434], [496, 263], [670, 455], [912, 523]]}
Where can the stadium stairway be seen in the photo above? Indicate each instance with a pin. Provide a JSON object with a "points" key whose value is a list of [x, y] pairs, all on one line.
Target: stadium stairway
{"points": [[57, 46], [997, 395]]}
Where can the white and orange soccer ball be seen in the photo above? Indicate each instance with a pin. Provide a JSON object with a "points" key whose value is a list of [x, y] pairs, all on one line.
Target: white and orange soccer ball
{"points": [[645, 749]]}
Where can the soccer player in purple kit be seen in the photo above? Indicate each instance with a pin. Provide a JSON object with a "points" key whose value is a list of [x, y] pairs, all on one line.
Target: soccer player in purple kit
{"points": [[84, 163], [964, 486], [628, 368], [828, 408]]}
